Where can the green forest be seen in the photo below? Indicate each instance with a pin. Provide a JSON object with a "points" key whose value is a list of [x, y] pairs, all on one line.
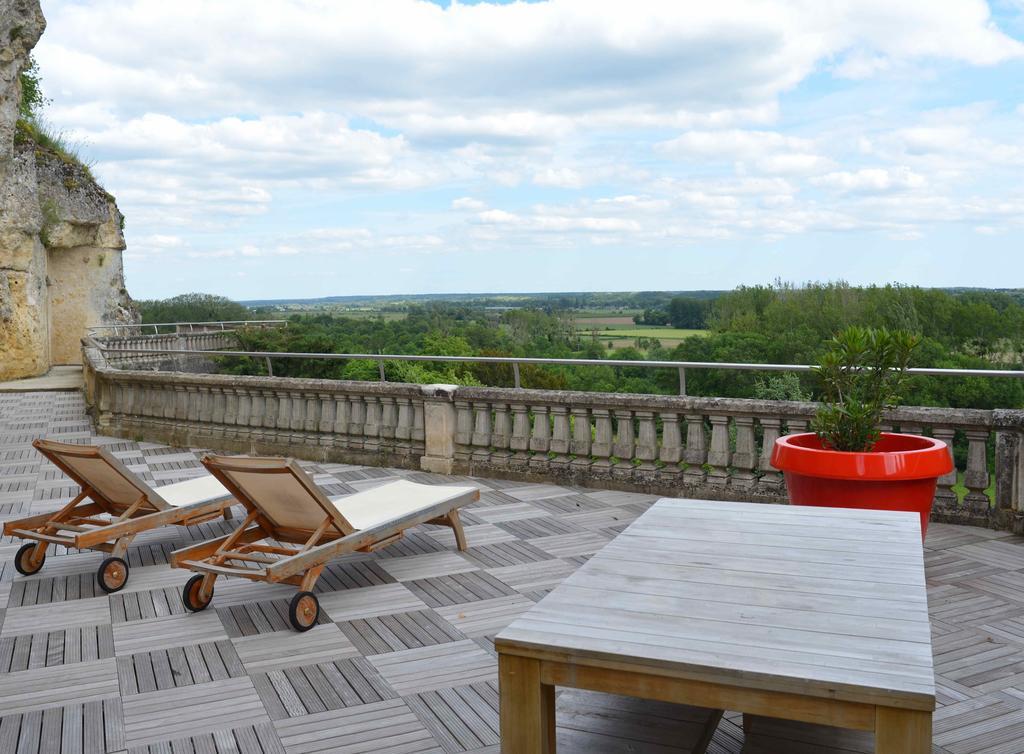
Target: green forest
{"points": [[778, 323]]}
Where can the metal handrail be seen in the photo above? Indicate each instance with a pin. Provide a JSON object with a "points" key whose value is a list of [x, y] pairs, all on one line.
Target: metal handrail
{"points": [[516, 361], [191, 325]]}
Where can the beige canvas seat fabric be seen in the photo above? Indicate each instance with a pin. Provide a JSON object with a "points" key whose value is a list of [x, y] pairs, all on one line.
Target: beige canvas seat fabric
{"points": [[376, 506], [201, 489]]}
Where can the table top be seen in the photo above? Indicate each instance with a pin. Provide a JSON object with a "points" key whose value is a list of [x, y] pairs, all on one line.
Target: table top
{"points": [[823, 602]]}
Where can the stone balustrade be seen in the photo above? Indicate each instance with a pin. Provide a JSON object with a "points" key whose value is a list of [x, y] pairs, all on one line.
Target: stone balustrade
{"points": [[712, 448], [212, 340], [358, 422]]}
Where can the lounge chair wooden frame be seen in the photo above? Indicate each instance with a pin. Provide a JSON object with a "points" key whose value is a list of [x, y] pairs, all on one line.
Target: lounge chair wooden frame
{"points": [[80, 523], [260, 549]]}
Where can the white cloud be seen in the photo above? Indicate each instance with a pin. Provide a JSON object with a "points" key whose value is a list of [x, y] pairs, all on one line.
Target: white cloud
{"points": [[468, 202], [871, 180], [559, 178], [384, 58]]}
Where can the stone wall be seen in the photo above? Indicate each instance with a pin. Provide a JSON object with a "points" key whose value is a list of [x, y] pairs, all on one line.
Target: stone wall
{"points": [[60, 232]]}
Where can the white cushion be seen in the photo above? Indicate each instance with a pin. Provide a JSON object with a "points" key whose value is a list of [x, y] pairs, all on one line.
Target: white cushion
{"points": [[390, 501], [202, 489]]}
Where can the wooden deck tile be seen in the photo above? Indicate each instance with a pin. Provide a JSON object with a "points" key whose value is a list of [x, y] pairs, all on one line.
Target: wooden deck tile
{"points": [[165, 669], [308, 689], [427, 566], [55, 616], [284, 649], [387, 727], [368, 602], [248, 739], [171, 631], [458, 588], [463, 718], [258, 617], [485, 617], [393, 633], [191, 710], [89, 728], [59, 647], [58, 685], [416, 670]]}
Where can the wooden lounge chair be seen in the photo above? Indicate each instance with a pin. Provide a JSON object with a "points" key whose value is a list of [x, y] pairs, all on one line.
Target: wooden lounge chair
{"points": [[286, 507], [114, 506]]}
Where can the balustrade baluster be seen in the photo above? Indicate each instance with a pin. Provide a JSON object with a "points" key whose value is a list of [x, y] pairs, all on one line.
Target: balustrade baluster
{"points": [[671, 449], [976, 476], [520, 440], [744, 459], [501, 434], [796, 426], [341, 420], [646, 446], [219, 405], [945, 496], [481, 436], [230, 407], [282, 425], [417, 424], [540, 440], [581, 440], [324, 429], [624, 445], [326, 425], [403, 426], [771, 478], [696, 452], [371, 428], [463, 431], [356, 419], [718, 454], [388, 419], [559, 439]]}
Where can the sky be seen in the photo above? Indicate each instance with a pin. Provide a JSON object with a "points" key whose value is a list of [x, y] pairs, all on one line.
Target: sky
{"points": [[306, 148]]}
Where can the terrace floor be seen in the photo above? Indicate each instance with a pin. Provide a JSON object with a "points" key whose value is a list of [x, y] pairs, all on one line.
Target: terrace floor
{"points": [[402, 660]]}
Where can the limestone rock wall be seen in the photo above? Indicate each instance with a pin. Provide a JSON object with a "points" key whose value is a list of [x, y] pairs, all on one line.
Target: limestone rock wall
{"points": [[60, 232]]}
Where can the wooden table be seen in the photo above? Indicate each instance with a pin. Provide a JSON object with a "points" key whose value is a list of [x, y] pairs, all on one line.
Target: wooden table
{"points": [[812, 614]]}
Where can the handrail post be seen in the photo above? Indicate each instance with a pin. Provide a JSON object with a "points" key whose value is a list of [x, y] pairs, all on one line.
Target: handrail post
{"points": [[270, 369], [515, 374], [380, 368], [682, 380]]}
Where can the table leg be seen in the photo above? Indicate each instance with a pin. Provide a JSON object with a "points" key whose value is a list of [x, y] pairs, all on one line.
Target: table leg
{"points": [[902, 731], [527, 707]]}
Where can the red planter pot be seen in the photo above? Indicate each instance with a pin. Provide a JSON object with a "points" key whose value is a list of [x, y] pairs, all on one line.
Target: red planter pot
{"points": [[900, 474]]}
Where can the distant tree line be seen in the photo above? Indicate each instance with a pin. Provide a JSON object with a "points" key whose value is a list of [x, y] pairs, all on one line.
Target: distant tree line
{"points": [[777, 323], [193, 307]]}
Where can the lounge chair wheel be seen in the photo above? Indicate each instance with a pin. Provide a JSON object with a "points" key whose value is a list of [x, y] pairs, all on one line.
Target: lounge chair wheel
{"points": [[112, 575], [190, 594], [23, 562], [303, 611]]}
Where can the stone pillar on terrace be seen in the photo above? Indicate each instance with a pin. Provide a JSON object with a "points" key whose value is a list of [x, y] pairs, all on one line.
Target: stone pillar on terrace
{"points": [[439, 428], [976, 476], [945, 496]]}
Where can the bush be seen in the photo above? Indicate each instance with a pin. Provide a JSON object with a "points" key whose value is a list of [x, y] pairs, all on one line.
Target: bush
{"points": [[862, 374]]}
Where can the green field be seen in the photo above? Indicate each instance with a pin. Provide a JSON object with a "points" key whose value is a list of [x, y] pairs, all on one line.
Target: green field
{"points": [[664, 333]]}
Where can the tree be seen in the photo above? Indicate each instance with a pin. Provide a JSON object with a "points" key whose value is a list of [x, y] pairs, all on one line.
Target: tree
{"points": [[32, 99], [688, 313], [193, 307], [654, 317]]}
